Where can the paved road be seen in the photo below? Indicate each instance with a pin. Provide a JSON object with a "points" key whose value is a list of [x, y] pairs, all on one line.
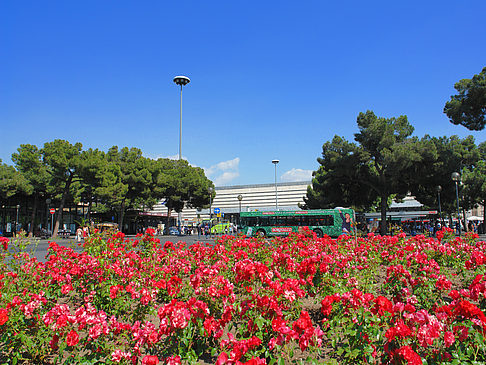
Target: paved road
{"points": [[43, 244]]}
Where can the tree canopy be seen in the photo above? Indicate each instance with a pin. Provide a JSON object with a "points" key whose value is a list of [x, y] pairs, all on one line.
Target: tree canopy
{"points": [[382, 164], [468, 107]]}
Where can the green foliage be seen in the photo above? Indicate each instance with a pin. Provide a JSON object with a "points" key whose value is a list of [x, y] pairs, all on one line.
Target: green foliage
{"points": [[384, 162], [12, 182], [468, 107], [449, 154]]}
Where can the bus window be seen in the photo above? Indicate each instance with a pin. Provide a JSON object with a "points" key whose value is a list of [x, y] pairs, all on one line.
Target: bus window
{"points": [[292, 221], [327, 220], [281, 221]]}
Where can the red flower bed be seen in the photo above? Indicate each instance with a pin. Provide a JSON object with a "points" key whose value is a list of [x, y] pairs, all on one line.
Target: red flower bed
{"points": [[247, 301]]}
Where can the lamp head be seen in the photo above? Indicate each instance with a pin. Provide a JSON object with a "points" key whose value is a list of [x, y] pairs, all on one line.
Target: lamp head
{"points": [[182, 80], [455, 176], [275, 161], [239, 197]]}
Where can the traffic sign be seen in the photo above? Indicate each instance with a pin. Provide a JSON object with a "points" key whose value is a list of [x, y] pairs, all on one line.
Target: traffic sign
{"points": [[52, 210], [217, 210]]}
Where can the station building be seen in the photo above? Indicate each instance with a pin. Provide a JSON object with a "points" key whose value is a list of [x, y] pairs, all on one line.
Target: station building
{"points": [[288, 196]]}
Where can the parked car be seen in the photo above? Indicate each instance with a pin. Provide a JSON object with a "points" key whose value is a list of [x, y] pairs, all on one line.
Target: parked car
{"points": [[173, 231], [42, 233], [64, 232]]}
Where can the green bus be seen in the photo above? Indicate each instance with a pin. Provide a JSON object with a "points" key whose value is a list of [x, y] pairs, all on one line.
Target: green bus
{"points": [[331, 222]]}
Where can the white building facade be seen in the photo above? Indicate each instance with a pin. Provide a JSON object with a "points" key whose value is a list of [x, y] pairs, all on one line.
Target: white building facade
{"points": [[254, 197]]}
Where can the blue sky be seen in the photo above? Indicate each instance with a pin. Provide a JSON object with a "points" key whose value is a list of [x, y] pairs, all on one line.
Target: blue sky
{"points": [[269, 80]]}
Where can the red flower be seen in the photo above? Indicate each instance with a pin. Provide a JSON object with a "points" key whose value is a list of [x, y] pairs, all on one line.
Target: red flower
{"points": [[382, 305], [409, 355], [4, 242], [150, 360], [449, 338], [302, 323], [72, 338], [3, 316]]}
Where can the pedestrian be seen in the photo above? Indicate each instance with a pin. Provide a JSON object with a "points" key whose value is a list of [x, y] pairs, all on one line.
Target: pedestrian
{"points": [[79, 234]]}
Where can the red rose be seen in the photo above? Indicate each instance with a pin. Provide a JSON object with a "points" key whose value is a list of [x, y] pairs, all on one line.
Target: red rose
{"points": [[72, 338], [3, 316], [150, 360]]}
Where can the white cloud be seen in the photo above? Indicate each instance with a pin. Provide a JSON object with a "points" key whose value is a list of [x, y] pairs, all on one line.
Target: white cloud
{"points": [[223, 172], [297, 175], [225, 178]]}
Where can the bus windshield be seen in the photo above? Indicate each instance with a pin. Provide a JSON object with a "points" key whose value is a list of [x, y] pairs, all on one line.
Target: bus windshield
{"points": [[331, 222]]}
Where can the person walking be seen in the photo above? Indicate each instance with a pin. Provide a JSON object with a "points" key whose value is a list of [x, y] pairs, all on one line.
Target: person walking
{"points": [[79, 234]]}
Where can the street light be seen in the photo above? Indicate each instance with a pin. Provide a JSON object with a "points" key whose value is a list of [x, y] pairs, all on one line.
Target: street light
{"points": [[275, 162], [456, 177], [48, 202], [17, 220], [439, 189], [182, 81], [240, 198], [210, 208]]}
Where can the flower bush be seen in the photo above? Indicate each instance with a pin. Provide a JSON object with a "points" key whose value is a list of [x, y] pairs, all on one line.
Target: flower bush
{"points": [[299, 299]]}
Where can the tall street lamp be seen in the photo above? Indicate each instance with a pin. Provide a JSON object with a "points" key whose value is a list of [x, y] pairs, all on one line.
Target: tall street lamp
{"points": [[182, 81], [240, 198], [275, 162], [210, 208], [439, 189], [17, 220], [456, 177]]}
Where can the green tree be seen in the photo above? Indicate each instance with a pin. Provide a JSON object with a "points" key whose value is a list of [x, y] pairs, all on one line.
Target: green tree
{"points": [[12, 184], [62, 159], [338, 180], [28, 160], [468, 107], [474, 179], [453, 154], [391, 156], [134, 179], [381, 165], [184, 185]]}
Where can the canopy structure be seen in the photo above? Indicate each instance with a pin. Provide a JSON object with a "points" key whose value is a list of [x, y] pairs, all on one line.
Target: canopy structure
{"points": [[474, 218]]}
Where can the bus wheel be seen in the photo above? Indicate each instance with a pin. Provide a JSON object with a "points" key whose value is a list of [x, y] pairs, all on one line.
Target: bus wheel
{"points": [[318, 233], [261, 233]]}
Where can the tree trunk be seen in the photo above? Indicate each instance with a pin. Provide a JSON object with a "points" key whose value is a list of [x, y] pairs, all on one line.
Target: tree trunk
{"points": [[383, 208], [32, 217], [483, 225], [122, 215], [61, 206], [466, 226], [169, 210], [88, 216]]}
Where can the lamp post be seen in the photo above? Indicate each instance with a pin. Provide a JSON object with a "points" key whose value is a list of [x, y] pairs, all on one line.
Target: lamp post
{"points": [[456, 177], [275, 162], [182, 81], [48, 202], [210, 209], [439, 189], [17, 219], [240, 198]]}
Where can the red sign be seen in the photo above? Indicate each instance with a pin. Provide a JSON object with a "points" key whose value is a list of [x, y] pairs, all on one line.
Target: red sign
{"points": [[52, 210], [281, 229]]}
